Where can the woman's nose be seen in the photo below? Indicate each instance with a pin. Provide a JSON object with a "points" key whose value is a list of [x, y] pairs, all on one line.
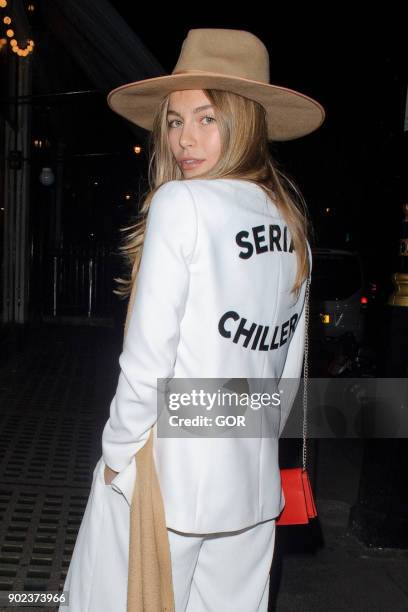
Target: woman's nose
{"points": [[186, 136]]}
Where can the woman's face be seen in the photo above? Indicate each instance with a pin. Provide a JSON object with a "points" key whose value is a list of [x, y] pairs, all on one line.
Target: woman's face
{"points": [[193, 131]]}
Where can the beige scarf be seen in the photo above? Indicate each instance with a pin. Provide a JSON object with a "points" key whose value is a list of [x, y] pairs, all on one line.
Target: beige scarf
{"points": [[150, 585]]}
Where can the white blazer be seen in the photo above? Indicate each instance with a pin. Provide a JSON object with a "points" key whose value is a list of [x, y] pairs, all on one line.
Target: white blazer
{"points": [[213, 301]]}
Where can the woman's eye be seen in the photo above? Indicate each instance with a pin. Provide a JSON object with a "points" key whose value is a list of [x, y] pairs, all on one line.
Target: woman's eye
{"points": [[208, 117]]}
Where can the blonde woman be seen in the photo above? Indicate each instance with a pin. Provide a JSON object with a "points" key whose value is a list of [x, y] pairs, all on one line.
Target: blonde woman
{"points": [[219, 260]]}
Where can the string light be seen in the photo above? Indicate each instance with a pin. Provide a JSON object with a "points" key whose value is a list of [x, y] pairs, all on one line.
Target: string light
{"points": [[21, 52]]}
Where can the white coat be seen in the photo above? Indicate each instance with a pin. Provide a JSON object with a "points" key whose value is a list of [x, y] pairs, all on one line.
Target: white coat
{"points": [[213, 301]]}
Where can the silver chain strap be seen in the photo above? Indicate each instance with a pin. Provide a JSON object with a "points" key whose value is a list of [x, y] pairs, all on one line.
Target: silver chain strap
{"points": [[305, 371]]}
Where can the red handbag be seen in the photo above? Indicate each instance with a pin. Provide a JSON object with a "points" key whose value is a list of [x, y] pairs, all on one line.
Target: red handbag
{"points": [[299, 502]]}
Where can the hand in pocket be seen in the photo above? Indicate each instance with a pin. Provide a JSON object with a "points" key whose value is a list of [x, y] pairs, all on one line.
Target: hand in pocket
{"points": [[109, 475]]}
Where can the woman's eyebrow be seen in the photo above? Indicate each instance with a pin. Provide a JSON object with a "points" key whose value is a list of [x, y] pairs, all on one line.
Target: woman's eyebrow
{"points": [[196, 110]]}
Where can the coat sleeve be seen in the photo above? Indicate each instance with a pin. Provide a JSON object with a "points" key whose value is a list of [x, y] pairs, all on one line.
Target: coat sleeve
{"points": [[292, 370], [150, 345]]}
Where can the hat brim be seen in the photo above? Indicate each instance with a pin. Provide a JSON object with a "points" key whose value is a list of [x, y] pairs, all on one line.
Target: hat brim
{"points": [[290, 114]]}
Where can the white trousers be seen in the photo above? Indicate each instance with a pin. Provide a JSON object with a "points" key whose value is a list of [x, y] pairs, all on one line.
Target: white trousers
{"points": [[211, 572], [223, 572]]}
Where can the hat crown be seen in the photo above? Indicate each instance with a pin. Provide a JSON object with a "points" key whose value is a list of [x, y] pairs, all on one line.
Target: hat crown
{"points": [[235, 53]]}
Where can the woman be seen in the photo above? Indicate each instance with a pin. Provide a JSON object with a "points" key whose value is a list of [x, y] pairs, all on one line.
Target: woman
{"points": [[220, 259]]}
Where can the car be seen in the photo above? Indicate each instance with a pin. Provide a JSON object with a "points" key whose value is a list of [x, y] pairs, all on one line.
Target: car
{"points": [[338, 300]]}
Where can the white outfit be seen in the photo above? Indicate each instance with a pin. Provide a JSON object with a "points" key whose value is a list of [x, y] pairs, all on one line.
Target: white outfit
{"points": [[223, 572], [213, 301]]}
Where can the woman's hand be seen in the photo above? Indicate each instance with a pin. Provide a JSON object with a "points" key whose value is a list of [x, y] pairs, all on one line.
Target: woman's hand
{"points": [[109, 475]]}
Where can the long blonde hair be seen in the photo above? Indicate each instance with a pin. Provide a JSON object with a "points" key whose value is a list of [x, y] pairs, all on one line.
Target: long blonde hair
{"points": [[244, 155]]}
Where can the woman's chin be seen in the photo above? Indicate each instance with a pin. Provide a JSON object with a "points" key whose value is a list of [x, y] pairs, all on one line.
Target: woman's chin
{"points": [[194, 173]]}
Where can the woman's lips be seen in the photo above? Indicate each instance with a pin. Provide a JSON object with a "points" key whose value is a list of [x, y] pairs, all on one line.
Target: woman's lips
{"points": [[194, 164]]}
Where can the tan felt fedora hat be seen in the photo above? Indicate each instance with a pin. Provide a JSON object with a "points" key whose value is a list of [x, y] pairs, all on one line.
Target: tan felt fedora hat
{"points": [[232, 60]]}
